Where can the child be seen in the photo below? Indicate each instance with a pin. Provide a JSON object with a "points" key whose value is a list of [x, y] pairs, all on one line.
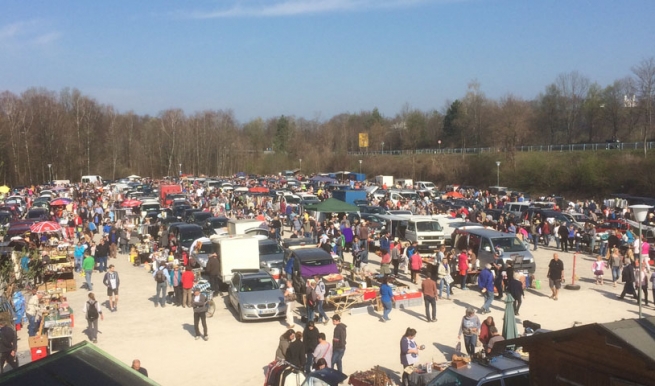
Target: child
{"points": [[134, 256], [597, 268]]}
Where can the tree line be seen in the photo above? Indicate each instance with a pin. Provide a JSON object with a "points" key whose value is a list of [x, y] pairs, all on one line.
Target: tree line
{"points": [[77, 135]]}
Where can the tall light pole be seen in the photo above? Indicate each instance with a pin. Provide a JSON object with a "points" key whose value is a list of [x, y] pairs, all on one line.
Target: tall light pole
{"points": [[439, 142], [497, 173], [50, 172], [383, 147], [300, 160], [180, 170], [640, 212], [360, 166]]}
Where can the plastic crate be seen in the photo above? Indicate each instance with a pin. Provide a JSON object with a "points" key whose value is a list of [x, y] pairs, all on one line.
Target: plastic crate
{"points": [[38, 353]]}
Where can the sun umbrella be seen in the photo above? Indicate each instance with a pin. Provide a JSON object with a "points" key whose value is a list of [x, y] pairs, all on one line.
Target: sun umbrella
{"points": [[130, 203], [61, 201], [454, 195], [45, 227], [509, 320], [4, 189]]}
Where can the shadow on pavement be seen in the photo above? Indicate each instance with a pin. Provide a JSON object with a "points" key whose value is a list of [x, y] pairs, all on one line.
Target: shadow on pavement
{"points": [[447, 351], [536, 292], [190, 329]]}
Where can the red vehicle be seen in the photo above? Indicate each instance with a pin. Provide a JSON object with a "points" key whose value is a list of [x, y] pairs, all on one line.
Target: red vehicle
{"points": [[165, 191], [610, 225]]}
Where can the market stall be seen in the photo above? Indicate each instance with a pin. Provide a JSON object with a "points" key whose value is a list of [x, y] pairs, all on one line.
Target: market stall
{"points": [[56, 329], [345, 298]]}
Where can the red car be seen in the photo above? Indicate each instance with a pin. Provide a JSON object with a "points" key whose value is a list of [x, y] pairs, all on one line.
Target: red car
{"points": [[610, 225]]}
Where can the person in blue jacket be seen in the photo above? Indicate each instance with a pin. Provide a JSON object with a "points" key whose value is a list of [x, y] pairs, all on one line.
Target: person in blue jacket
{"points": [[386, 296], [486, 283]]}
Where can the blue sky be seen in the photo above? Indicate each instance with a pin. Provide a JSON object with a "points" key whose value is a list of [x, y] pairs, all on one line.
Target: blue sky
{"points": [[314, 58]]}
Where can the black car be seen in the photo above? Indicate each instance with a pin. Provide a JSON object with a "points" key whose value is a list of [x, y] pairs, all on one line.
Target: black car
{"points": [[40, 214], [178, 210], [372, 209], [199, 217], [213, 224], [186, 234]]}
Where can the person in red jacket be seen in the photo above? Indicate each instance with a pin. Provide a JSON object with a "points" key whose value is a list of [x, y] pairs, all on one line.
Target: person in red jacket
{"points": [[188, 278]]}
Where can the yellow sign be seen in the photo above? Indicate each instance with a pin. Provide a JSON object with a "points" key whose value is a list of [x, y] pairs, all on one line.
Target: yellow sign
{"points": [[363, 139]]}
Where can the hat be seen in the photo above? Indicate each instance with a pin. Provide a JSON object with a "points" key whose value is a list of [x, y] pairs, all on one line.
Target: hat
{"points": [[336, 317]]}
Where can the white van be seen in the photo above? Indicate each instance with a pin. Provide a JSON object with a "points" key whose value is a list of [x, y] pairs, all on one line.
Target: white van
{"points": [[425, 185], [405, 183], [426, 231], [91, 180]]}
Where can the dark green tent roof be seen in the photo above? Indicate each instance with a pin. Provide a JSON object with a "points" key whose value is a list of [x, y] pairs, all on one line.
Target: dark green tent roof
{"points": [[332, 205], [82, 364]]}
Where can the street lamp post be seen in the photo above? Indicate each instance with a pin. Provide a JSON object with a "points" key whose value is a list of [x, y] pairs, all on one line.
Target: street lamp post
{"points": [[439, 142], [180, 170], [50, 172], [382, 147], [497, 173], [640, 212], [360, 166], [300, 160]]}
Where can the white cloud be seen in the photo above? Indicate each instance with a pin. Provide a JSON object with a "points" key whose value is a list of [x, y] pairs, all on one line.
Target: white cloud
{"points": [[27, 33], [275, 8]]}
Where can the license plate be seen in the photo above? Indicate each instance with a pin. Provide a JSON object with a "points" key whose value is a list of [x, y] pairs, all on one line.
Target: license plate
{"points": [[266, 312]]}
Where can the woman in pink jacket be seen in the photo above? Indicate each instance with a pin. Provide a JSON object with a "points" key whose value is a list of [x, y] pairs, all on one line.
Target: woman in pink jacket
{"points": [[415, 264], [463, 267]]}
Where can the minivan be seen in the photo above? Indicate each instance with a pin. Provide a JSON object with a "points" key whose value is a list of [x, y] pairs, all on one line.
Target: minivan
{"points": [[484, 242], [426, 231]]}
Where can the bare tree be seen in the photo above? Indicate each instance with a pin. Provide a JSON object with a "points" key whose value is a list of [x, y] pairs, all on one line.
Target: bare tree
{"points": [[645, 80], [573, 87]]}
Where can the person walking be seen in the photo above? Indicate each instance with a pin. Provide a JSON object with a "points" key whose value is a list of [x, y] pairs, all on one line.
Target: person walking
{"points": [[176, 282], [429, 289], [199, 303], [598, 269], [563, 234], [319, 291], [93, 311], [395, 256], [102, 251], [498, 266], [88, 265], [463, 267], [415, 264], [310, 335], [8, 346], [283, 346], [386, 297], [515, 288], [112, 281], [470, 328], [615, 265], [188, 278], [555, 275], [78, 254], [161, 276], [385, 262], [214, 270], [629, 278], [338, 342], [290, 300], [486, 284]]}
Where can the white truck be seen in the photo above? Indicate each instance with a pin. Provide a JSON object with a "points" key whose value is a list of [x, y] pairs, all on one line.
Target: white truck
{"points": [[405, 183], [235, 252], [381, 180], [425, 185]]}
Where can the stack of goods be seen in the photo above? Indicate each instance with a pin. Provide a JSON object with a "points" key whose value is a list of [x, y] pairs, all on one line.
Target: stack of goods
{"points": [[460, 361], [373, 377]]}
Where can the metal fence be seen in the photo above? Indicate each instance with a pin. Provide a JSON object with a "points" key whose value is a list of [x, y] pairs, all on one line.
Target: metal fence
{"points": [[627, 146]]}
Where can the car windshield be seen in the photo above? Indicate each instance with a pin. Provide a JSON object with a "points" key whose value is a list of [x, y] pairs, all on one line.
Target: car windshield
{"points": [[219, 223], [269, 249], [258, 284], [451, 378], [189, 237], [317, 262], [206, 248], [150, 207], [428, 226], [509, 244]]}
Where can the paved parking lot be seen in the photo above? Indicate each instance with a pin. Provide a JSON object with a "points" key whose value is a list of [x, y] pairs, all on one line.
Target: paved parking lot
{"points": [[236, 353]]}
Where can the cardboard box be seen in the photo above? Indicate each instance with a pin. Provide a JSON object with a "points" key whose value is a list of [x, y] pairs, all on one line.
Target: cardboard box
{"points": [[38, 341], [51, 286], [71, 285], [41, 288], [61, 284]]}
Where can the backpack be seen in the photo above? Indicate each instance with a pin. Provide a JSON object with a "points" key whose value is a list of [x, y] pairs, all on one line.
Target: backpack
{"points": [[159, 276], [91, 311]]}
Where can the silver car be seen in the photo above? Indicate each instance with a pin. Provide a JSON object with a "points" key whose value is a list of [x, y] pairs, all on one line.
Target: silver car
{"points": [[256, 295]]}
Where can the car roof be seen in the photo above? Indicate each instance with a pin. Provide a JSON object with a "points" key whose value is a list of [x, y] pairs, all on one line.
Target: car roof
{"points": [[485, 232], [311, 253], [249, 274], [189, 227]]}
